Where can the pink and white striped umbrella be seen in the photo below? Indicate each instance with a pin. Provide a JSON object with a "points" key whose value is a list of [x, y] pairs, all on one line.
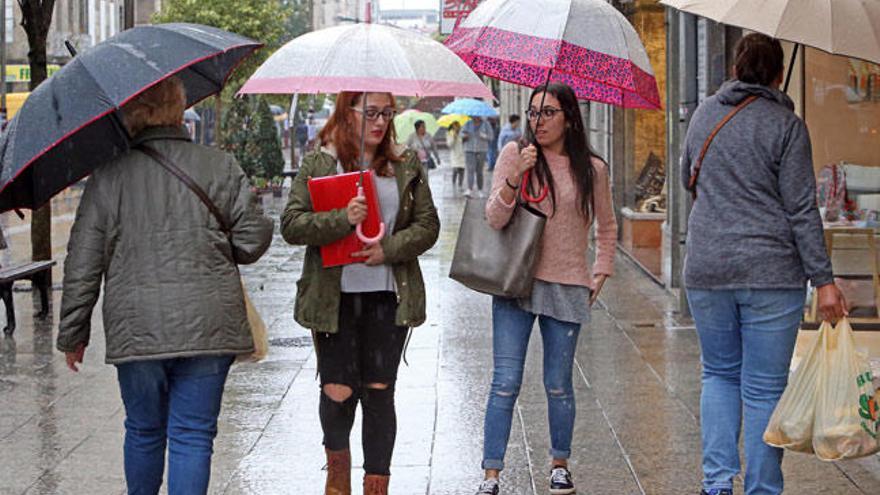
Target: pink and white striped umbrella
{"points": [[366, 57], [586, 44]]}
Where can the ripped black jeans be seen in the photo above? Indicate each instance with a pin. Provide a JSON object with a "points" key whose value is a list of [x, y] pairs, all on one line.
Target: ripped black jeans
{"points": [[364, 353]]}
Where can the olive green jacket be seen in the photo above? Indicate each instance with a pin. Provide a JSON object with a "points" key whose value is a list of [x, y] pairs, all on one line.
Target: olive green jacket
{"points": [[415, 230]]}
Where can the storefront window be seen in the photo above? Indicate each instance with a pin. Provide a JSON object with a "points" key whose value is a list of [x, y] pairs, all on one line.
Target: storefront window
{"points": [[842, 109]]}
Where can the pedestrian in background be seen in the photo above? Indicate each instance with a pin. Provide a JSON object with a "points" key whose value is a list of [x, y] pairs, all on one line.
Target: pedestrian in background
{"points": [[302, 139], [456, 155], [476, 136], [174, 313], [423, 144], [360, 313], [510, 132], [564, 287], [492, 153], [754, 240]]}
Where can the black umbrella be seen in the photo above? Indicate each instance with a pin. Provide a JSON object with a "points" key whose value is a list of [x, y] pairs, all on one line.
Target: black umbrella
{"points": [[70, 124]]}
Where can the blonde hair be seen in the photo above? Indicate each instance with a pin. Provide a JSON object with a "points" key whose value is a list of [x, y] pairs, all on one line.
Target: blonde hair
{"points": [[161, 105]]}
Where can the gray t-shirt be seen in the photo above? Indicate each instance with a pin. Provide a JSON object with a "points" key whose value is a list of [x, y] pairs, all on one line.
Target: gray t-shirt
{"points": [[358, 277], [569, 303]]}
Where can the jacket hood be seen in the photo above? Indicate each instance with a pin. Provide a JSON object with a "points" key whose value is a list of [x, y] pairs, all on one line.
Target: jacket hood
{"points": [[734, 92]]}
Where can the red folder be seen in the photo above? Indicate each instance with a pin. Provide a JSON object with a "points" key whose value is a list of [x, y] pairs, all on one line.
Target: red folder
{"points": [[334, 192]]}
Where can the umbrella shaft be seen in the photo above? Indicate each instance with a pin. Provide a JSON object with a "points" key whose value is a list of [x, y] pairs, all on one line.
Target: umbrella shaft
{"points": [[791, 67]]}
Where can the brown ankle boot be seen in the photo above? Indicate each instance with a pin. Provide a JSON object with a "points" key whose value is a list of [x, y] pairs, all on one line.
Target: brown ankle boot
{"points": [[338, 472], [375, 484]]}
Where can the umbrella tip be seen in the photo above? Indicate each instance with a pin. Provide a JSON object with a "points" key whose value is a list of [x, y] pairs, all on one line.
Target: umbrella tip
{"points": [[70, 48]]}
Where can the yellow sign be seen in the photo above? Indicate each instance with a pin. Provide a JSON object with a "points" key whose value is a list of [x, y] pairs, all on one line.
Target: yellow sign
{"points": [[14, 101], [22, 73]]}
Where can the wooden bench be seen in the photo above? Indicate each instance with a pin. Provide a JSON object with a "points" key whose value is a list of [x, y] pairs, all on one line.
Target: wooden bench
{"points": [[38, 273]]}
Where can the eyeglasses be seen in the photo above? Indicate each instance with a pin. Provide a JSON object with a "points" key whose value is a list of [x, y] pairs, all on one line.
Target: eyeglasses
{"points": [[374, 113], [547, 113]]}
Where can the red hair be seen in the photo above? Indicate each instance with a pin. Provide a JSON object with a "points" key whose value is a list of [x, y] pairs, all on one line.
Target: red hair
{"points": [[340, 130]]}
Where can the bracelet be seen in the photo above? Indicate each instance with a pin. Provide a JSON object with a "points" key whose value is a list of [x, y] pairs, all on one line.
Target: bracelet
{"points": [[510, 185]]}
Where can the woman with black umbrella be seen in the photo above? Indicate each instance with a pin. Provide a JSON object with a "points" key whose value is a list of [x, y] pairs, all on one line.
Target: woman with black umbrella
{"points": [[174, 315]]}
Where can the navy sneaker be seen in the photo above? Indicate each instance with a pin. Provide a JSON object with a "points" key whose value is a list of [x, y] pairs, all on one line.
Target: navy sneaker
{"points": [[717, 491], [560, 481], [489, 487]]}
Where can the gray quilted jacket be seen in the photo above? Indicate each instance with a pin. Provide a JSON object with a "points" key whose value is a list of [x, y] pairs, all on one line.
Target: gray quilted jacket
{"points": [[171, 288]]}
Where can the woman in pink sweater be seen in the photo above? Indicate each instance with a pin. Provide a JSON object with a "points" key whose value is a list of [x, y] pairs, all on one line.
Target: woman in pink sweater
{"points": [[565, 288]]}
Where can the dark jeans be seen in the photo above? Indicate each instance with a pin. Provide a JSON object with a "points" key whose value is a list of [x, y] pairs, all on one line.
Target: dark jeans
{"points": [[458, 177], [366, 350], [174, 402]]}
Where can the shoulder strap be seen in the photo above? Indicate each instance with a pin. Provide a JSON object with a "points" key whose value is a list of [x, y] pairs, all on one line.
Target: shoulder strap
{"points": [[162, 160], [695, 175]]}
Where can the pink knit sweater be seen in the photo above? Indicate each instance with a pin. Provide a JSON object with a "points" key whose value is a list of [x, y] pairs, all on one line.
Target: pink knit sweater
{"points": [[563, 255]]}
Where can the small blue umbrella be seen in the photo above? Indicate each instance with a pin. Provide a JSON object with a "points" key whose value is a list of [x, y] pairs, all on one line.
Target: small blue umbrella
{"points": [[471, 108]]}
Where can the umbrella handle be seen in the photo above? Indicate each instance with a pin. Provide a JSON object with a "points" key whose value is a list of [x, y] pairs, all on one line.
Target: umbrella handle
{"points": [[360, 229], [525, 194]]}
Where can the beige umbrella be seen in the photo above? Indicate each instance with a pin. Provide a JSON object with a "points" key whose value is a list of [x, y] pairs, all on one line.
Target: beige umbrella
{"points": [[841, 27]]}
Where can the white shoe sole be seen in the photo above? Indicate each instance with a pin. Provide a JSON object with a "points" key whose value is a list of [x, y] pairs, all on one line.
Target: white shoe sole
{"points": [[563, 491]]}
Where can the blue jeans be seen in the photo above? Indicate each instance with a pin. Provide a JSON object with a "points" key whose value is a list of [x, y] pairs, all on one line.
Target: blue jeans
{"points": [[747, 338], [175, 401], [511, 329]]}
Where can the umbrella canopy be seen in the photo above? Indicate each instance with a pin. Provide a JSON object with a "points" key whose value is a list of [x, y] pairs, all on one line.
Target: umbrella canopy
{"points": [[447, 120], [841, 27], [471, 108], [586, 44], [365, 57], [69, 125], [191, 115], [405, 124]]}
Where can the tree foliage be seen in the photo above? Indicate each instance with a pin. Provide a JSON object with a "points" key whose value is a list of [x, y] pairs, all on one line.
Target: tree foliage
{"points": [[265, 21], [265, 145], [251, 136], [237, 128]]}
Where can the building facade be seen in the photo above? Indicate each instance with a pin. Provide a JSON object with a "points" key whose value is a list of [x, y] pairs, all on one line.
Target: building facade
{"points": [[328, 13]]}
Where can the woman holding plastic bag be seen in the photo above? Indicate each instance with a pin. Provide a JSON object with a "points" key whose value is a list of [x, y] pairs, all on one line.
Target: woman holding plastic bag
{"points": [[754, 239]]}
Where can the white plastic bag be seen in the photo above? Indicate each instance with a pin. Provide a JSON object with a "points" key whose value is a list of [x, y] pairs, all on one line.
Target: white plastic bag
{"points": [[846, 422], [791, 425]]}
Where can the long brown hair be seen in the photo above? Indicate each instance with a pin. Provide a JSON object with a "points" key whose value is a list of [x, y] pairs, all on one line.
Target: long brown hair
{"points": [[342, 132], [577, 147]]}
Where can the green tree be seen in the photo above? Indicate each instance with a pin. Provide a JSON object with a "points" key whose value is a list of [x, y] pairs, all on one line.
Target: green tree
{"points": [[265, 146], [263, 20], [237, 128]]}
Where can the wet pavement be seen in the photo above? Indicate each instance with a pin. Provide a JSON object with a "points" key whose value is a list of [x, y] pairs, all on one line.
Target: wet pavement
{"points": [[636, 374]]}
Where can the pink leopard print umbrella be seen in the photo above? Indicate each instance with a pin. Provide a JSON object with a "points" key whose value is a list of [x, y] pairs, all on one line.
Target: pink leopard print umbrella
{"points": [[586, 44]]}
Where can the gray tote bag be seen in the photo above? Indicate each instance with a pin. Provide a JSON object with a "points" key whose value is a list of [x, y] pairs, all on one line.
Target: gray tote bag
{"points": [[498, 262]]}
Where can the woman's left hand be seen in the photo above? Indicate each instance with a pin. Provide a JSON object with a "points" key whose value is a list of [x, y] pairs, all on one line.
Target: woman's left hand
{"points": [[598, 283], [374, 254], [75, 357]]}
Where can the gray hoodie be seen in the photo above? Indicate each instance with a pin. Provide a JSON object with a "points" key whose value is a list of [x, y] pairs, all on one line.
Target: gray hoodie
{"points": [[755, 224]]}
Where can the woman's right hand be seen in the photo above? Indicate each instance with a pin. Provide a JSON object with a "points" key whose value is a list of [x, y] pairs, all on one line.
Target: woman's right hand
{"points": [[356, 210], [528, 157], [832, 304]]}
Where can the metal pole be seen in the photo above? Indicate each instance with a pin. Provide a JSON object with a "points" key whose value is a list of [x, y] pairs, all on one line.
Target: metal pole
{"points": [[2, 62], [689, 96]]}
